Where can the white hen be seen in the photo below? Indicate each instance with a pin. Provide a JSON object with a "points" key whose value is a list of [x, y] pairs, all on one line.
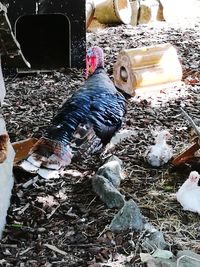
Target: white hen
{"points": [[160, 153], [189, 193]]}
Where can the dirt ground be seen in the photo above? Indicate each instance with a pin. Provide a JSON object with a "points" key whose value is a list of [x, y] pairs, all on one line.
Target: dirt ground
{"points": [[62, 222]]}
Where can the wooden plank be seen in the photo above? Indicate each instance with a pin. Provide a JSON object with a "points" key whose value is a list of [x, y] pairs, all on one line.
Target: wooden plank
{"points": [[22, 148], [186, 154]]}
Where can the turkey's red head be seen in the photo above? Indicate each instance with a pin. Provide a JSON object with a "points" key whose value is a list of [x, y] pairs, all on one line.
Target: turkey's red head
{"points": [[94, 60], [194, 177]]}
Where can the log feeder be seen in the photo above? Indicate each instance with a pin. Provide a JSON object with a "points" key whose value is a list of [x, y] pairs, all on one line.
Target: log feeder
{"points": [[146, 67], [113, 11]]}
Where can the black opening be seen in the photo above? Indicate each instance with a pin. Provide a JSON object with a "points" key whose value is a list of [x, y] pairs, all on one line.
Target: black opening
{"points": [[45, 40]]}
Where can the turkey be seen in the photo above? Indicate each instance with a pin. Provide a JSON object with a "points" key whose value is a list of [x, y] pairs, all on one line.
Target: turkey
{"points": [[160, 153], [84, 124], [188, 194]]}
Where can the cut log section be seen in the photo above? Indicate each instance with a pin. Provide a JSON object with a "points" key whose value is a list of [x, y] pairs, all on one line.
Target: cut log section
{"points": [[150, 11], [113, 11], [135, 11], [146, 67]]}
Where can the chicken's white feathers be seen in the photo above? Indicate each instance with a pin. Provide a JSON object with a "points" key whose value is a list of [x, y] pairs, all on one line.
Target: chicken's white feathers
{"points": [[160, 153], [188, 194]]}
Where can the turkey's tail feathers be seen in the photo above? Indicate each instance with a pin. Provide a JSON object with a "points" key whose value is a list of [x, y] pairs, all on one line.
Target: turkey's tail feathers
{"points": [[47, 153], [85, 141]]}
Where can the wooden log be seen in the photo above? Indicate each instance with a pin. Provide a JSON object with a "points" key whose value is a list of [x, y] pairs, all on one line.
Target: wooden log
{"points": [[113, 11], [147, 66], [150, 11], [90, 9], [179, 10], [135, 11]]}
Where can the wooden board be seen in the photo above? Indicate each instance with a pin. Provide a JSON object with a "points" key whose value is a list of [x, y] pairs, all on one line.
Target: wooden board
{"points": [[22, 148]]}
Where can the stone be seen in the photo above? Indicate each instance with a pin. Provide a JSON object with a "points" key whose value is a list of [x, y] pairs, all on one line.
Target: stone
{"points": [[107, 192], [154, 239], [112, 171], [128, 218]]}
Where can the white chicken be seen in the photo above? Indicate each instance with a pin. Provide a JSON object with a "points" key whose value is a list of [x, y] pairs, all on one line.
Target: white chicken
{"points": [[160, 153], [188, 194]]}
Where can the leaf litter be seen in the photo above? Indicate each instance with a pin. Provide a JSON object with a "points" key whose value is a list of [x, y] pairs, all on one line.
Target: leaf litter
{"points": [[62, 222]]}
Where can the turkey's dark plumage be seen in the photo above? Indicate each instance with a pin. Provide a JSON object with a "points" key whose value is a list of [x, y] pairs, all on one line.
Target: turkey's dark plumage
{"points": [[83, 125], [98, 103]]}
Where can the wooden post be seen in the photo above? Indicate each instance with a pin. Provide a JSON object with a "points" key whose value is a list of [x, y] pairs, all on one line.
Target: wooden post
{"points": [[135, 11], [9, 47], [6, 176], [90, 8], [147, 66]]}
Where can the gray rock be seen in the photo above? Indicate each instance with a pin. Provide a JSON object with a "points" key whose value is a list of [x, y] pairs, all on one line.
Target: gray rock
{"points": [[154, 239], [112, 171], [184, 258], [128, 218], [113, 157], [107, 192], [188, 258]]}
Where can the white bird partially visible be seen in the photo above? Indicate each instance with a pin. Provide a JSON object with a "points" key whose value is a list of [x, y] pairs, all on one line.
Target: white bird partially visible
{"points": [[188, 194], [160, 153]]}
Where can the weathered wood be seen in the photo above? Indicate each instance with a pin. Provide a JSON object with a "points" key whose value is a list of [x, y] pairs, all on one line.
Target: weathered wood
{"points": [[187, 153], [146, 66], [90, 9], [135, 12], [9, 47], [22, 148], [6, 177], [113, 11], [150, 11]]}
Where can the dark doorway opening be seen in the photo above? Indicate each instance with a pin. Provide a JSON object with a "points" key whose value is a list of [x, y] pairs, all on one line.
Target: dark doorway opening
{"points": [[45, 40]]}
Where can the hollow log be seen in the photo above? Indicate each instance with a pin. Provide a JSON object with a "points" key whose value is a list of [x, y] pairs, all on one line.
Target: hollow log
{"points": [[113, 11], [147, 66], [150, 11]]}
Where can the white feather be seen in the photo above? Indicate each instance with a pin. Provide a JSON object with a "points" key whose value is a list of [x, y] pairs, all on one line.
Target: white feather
{"points": [[160, 153], [188, 194]]}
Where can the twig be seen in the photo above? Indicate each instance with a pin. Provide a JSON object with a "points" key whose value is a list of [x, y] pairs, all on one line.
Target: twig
{"points": [[55, 249], [196, 128]]}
